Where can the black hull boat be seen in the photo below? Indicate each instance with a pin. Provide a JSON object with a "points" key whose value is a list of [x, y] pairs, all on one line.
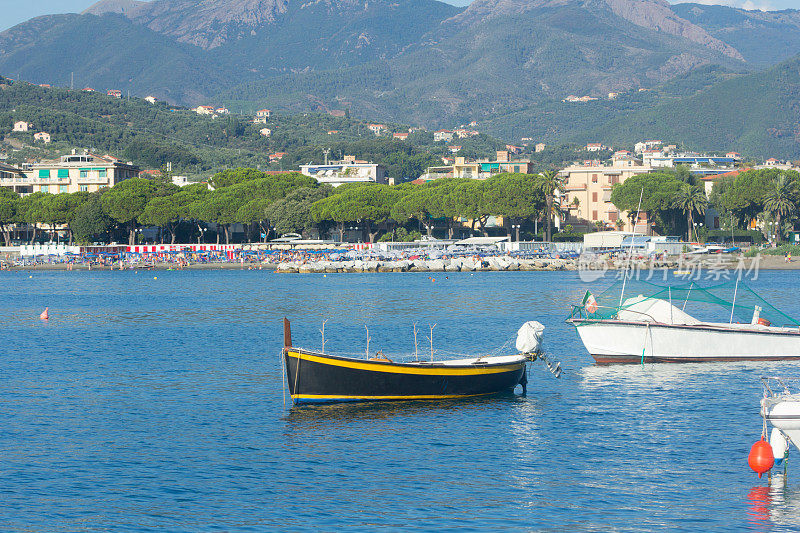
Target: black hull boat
{"points": [[314, 377]]}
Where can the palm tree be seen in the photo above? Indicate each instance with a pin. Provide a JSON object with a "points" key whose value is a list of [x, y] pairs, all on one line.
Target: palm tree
{"points": [[690, 200], [549, 184], [780, 200]]}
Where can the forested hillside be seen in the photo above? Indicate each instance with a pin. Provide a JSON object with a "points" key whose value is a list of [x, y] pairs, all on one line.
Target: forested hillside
{"points": [[154, 134], [757, 115]]}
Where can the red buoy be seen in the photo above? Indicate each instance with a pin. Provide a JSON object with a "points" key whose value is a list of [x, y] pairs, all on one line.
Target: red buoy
{"points": [[45, 314], [761, 458]]}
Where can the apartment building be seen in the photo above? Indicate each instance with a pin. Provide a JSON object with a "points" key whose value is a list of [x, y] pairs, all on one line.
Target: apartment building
{"points": [[479, 169], [587, 191], [71, 173]]}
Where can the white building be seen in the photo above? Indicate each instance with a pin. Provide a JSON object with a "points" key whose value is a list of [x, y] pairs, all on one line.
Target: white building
{"points": [[377, 129], [443, 135], [266, 132], [222, 111], [347, 171], [204, 110], [42, 136], [151, 99], [21, 125], [595, 147], [263, 113], [643, 146]]}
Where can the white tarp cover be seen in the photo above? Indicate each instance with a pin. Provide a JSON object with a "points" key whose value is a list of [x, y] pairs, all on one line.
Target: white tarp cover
{"points": [[529, 337], [641, 309]]}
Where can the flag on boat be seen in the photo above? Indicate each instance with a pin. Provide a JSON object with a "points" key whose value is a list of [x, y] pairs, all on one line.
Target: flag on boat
{"points": [[589, 303]]}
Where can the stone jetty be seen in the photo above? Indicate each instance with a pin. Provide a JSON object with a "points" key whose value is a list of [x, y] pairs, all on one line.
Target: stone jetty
{"points": [[456, 264]]}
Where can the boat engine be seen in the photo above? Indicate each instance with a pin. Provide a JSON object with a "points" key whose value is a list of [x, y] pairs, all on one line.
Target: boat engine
{"points": [[529, 337], [529, 341]]}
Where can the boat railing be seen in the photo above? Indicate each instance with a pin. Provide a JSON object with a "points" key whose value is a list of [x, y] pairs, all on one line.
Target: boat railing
{"points": [[777, 386], [578, 311]]}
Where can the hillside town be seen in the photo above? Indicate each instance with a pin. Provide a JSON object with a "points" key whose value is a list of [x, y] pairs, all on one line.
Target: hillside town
{"points": [[581, 190]]}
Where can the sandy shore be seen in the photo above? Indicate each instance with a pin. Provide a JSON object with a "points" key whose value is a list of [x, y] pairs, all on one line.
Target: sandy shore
{"points": [[488, 264]]}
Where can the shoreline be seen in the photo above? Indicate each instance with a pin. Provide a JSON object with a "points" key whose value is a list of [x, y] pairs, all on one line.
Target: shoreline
{"points": [[489, 264]]}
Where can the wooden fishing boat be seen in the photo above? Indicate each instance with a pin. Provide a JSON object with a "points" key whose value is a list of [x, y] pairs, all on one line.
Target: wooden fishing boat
{"points": [[314, 377]]}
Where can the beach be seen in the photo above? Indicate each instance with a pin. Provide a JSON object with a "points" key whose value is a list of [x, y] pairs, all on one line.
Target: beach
{"points": [[315, 262]]}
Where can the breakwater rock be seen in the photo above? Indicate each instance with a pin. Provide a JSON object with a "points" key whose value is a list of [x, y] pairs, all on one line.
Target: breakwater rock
{"points": [[457, 264]]}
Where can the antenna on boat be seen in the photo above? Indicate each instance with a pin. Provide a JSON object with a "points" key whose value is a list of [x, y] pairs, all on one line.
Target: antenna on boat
{"points": [[323, 334], [687, 296], [630, 251], [733, 305], [366, 328], [431, 339], [416, 352]]}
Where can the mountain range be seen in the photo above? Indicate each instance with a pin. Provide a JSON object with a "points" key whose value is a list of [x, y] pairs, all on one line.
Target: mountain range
{"points": [[506, 63]]}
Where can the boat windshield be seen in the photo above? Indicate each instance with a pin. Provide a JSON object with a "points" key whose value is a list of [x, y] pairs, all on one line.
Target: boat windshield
{"points": [[683, 304]]}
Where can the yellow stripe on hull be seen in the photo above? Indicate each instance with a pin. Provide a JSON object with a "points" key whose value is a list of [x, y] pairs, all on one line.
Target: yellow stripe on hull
{"points": [[396, 369], [418, 397]]}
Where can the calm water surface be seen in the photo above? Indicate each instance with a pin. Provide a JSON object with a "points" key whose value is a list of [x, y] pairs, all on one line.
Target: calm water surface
{"points": [[157, 404]]}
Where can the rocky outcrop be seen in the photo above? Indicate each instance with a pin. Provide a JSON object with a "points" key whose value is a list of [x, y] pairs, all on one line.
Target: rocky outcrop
{"points": [[658, 15], [207, 23]]}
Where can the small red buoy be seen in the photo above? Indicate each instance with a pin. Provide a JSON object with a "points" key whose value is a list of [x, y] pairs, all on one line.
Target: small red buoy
{"points": [[45, 314], [761, 458]]}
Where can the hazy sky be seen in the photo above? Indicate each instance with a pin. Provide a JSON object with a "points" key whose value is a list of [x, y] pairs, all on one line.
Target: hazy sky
{"points": [[15, 11]]}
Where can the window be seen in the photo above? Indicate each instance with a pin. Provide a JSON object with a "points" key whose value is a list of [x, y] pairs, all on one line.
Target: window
{"points": [[84, 173], [594, 196], [594, 178], [612, 216], [594, 215], [63, 188], [516, 168], [63, 173], [614, 180], [44, 188], [103, 173], [84, 188], [44, 173]]}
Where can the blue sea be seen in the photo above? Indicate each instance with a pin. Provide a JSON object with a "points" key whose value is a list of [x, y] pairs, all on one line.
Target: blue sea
{"points": [[154, 401]]}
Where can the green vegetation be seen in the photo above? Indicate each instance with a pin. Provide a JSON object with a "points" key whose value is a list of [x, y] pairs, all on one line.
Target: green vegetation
{"points": [[152, 135], [783, 249], [284, 203], [671, 199], [657, 191]]}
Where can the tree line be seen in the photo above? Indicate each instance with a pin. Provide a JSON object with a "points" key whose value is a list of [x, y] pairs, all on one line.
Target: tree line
{"points": [[269, 205], [675, 199]]}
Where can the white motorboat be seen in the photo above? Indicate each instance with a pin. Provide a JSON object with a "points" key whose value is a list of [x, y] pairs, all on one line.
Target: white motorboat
{"points": [[780, 408], [654, 326]]}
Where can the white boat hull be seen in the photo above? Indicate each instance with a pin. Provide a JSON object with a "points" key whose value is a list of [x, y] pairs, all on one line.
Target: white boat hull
{"points": [[784, 414], [616, 341]]}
